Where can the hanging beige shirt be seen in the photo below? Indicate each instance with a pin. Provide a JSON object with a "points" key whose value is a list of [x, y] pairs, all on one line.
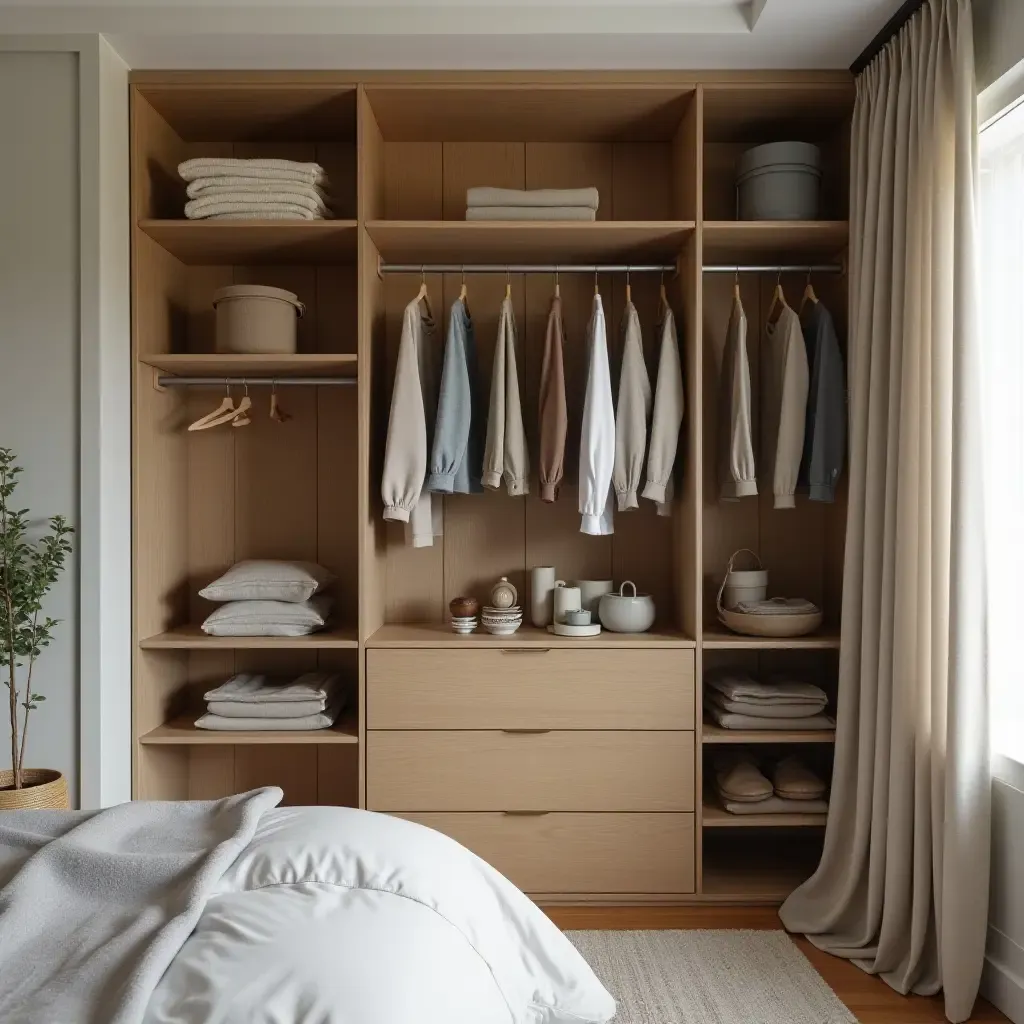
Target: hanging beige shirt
{"points": [[553, 417], [737, 476], [632, 413], [787, 381], [505, 454], [410, 429], [668, 418]]}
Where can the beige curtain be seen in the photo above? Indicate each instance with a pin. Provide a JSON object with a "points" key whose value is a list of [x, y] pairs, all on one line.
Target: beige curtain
{"points": [[902, 887]]}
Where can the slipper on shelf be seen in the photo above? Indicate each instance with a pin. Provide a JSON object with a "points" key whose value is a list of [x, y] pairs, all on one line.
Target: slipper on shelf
{"points": [[738, 778], [795, 781]]}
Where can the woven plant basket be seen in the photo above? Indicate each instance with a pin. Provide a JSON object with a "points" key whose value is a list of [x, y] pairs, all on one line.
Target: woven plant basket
{"points": [[42, 790]]}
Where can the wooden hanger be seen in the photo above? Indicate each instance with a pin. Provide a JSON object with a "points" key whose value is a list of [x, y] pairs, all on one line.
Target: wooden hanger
{"points": [[809, 295], [629, 291], [508, 284], [241, 417], [464, 293], [222, 414], [662, 296], [422, 296], [557, 293], [778, 301], [597, 290], [277, 414], [736, 286]]}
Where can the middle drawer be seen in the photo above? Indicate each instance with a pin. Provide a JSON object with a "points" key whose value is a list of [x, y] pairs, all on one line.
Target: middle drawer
{"points": [[548, 771], [530, 689]]}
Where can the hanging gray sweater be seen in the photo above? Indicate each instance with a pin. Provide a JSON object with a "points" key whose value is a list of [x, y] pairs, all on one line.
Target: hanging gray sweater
{"points": [[457, 455], [825, 431]]}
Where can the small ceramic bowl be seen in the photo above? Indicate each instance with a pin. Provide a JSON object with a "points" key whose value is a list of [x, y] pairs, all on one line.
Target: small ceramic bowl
{"points": [[463, 607], [577, 618]]}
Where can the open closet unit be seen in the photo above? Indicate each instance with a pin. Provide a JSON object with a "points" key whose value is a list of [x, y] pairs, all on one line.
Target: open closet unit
{"points": [[576, 766]]}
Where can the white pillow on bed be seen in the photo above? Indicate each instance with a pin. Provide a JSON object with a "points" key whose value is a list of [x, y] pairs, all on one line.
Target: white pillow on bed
{"points": [[342, 916]]}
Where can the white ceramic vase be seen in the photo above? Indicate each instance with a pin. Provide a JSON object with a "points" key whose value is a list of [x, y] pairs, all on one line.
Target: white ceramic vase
{"points": [[566, 599], [542, 586]]}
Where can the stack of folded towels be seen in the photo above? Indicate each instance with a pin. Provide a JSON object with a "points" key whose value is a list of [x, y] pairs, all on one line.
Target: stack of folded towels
{"points": [[744, 789], [263, 703], [531, 204], [261, 597], [735, 700], [222, 188]]}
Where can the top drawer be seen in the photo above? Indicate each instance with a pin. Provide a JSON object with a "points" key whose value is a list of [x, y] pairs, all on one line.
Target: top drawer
{"points": [[529, 689]]}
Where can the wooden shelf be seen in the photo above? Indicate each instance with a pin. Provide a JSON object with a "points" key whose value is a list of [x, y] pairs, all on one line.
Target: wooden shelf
{"points": [[767, 872], [457, 241], [182, 732], [771, 241], [192, 638], [716, 734], [184, 364], [250, 242], [826, 639], [714, 816], [525, 638]]}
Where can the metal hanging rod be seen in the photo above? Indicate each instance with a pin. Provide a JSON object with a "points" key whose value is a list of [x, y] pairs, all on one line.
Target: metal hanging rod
{"points": [[775, 268], [255, 382], [526, 268]]}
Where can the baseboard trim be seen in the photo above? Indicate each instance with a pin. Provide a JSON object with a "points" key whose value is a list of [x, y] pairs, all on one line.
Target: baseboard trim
{"points": [[1002, 987]]}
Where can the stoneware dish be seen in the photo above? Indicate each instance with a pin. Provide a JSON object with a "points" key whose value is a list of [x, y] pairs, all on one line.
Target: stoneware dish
{"points": [[577, 618], [463, 607], [627, 613]]}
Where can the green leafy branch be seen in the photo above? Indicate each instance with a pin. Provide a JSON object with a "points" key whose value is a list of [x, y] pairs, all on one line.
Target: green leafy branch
{"points": [[28, 570]]}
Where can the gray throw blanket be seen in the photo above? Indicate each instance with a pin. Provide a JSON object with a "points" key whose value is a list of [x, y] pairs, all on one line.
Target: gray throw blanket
{"points": [[94, 905]]}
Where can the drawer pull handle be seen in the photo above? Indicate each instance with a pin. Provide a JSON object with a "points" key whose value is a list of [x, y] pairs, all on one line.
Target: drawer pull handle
{"points": [[525, 814], [526, 732], [526, 650]]}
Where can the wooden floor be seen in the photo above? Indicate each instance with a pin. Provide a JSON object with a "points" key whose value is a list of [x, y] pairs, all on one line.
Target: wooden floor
{"points": [[869, 998]]}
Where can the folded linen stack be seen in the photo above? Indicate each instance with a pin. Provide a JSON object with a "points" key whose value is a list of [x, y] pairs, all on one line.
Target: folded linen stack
{"points": [[485, 203], [743, 789], [260, 597], [223, 188], [735, 700], [264, 703]]}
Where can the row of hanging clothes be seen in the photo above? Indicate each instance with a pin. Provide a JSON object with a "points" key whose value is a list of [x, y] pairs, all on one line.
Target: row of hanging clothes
{"points": [[803, 402], [442, 438]]}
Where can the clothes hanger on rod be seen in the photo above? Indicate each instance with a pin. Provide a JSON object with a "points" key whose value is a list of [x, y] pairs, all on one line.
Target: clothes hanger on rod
{"points": [[778, 301], [508, 284], [629, 291], [736, 286], [662, 295], [464, 293], [597, 290], [222, 414], [241, 417], [557, 293], [422, 296], [277, 414], [809, 295]]}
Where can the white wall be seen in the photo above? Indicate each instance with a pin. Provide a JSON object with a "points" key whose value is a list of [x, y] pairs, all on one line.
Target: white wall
{"points": [[39, 353]]}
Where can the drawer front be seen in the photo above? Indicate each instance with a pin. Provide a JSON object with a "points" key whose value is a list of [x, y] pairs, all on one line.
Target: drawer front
{"points": [[551, 771], [529, 689], [579, 853]]}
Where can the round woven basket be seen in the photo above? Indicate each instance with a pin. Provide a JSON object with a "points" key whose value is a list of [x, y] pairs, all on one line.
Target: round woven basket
{"points": [[42, 790]]}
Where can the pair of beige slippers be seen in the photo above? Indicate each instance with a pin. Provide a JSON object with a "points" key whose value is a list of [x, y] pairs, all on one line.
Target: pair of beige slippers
{"points": [[740, 780]]}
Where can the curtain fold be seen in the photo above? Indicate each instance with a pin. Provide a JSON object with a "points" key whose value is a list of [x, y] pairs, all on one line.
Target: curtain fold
{"points": [[902, 887]]}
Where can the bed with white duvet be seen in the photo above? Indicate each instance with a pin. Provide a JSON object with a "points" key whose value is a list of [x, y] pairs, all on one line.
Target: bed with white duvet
{"points": [[339, 916]]}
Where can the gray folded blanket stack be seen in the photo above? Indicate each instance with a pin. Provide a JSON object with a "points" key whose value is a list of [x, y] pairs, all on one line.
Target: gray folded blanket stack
{"points": [[224, 188], [485, 203], [735, 700], [259, 703]]}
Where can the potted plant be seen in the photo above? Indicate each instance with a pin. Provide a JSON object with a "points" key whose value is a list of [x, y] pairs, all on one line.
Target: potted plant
{"points": [[28, 570]]}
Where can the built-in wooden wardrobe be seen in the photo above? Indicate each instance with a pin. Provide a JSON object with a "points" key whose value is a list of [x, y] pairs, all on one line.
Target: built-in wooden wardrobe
{"points": [[575, 766]]}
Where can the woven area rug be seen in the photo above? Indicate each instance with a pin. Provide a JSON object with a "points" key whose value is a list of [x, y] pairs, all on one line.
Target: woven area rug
{"points": [[709, 977]]}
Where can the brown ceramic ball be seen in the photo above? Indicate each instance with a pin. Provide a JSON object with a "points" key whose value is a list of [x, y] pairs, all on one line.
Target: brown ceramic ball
{"points": [[463, 606]]}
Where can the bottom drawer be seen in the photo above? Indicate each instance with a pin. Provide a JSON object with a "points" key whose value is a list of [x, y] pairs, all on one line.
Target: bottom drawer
{"points": [[578, 853]]}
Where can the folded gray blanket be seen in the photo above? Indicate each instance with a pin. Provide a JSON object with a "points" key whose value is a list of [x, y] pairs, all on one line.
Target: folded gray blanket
{"points": [[266, 168], [738, 685], [730, 720], [766, 709], [530, 213], [210, 204], [244, 209], [94, 905], [256, 688], [262, 723]]}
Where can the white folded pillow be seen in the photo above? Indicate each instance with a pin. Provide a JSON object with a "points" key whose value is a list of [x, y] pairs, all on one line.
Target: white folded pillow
{"points": [[269, 580], [268, 618]]}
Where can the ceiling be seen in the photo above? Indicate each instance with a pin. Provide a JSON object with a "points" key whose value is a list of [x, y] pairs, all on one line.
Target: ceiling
{"points": [[467, 34]]}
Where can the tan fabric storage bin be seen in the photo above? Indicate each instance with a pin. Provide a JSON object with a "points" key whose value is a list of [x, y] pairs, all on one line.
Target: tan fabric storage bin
{"points": [[253, 318]]}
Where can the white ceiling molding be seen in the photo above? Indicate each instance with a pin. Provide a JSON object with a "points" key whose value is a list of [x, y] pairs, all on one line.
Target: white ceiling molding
{"points": [[467, 34]]}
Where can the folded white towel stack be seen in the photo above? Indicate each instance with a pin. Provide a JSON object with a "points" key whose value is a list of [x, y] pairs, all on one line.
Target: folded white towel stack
{"points": [[486, 203], [261, 703], [222, 188], [733, 699]]}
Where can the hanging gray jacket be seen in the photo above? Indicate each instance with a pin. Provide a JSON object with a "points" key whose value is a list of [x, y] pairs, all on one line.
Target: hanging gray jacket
{"points": [[825, 432], [457, 455]]}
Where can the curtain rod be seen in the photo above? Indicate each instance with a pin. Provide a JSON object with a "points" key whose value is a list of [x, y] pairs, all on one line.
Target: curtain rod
{"points": [[890, 29], [526, 268], [774, 268], [255, 382]]}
